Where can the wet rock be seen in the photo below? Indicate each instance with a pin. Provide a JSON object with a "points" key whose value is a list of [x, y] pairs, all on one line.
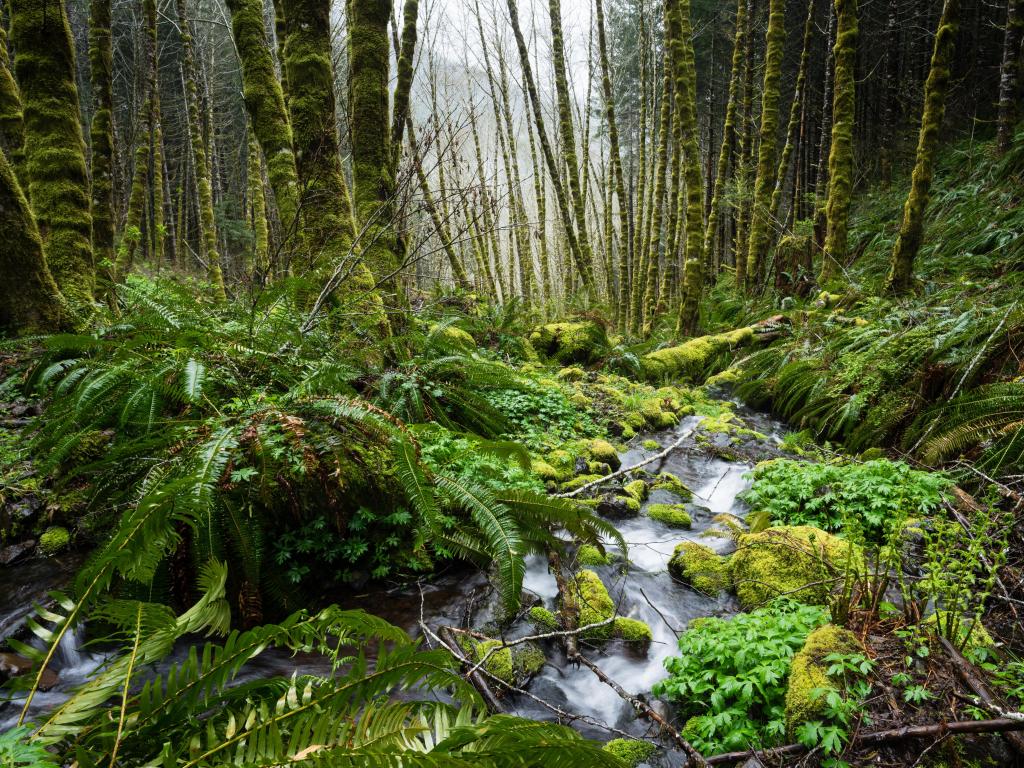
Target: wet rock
{"points": [[12, 665], [618, 507], [12, 552], [580, 467]]}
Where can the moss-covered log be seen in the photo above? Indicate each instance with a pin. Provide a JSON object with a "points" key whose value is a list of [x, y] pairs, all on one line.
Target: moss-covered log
{"points": [[58, 182], [935, 90], [29, 299], [840, 158], [694, 359]]}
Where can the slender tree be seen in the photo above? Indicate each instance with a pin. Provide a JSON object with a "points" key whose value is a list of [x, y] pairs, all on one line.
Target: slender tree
{"points": [[12, 119], [840, 159], [1009, 75], [764, 181], [58, 182], [101, 133], [935, 90]]}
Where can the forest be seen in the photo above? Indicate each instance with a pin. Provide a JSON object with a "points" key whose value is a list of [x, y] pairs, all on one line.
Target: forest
{"points": [[506, 383]]}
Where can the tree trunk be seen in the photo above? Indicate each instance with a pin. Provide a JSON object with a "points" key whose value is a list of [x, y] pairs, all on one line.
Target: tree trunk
{"points": [[935, 90], [1009, 74], [12, 119], [840, 158], [58, 182]]}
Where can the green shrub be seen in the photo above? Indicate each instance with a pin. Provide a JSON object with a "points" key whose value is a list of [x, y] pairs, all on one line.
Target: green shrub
{"points": [[874, 495], [729, 679]]}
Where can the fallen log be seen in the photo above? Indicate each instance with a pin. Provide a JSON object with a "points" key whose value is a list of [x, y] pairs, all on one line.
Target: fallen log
{"points": [[954, 727], [643, 709]]}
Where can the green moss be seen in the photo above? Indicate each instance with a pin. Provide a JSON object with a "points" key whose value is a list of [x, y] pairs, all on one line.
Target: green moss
{"points": [[590, 555], [579, 481], [602, 450], [54, 540], [562, 460], [630, 751], [674, 515], [808, 672], [972, 635], [666, 481], [456, 337], [571, 373], [800, 562], [528, 660], [584, 342], [700, 567], [594, 602], [632, 630], [692, 360], [546, 472], [651, 445], [637, 489], [543, 618]]}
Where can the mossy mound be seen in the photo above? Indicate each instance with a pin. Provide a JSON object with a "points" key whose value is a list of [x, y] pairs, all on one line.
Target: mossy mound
{"points": [[510, 664], [571, 373], [630, 751], [595, 605], [636, 489], [692, 360], [54, 540], [547, 472], [579, 481], [604, 452], [674, 515], [809, 671], [632, 630], [584, 342], [455, 337], [588, 554], [700, 567], [666, 481], [799, 561], [651, 445], [543, 618]]}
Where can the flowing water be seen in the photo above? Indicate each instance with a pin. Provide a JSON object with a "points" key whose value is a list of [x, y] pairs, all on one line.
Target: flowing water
{"points": [[643, 591]]}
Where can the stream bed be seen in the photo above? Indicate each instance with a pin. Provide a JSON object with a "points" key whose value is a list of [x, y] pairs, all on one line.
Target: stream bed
{"points": [[461, 598]]}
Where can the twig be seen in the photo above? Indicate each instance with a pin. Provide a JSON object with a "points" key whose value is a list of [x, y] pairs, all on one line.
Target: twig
{"points": [[644, 709], [625, 470]]}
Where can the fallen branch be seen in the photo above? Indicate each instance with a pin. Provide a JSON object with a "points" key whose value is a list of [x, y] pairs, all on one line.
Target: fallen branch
{"points": [[643, 709], [447, 638], [998, 725], [625, 470]]}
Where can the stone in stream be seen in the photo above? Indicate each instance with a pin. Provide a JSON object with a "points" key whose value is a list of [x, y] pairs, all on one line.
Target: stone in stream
{"points": [[12, 552], [13, 665]]}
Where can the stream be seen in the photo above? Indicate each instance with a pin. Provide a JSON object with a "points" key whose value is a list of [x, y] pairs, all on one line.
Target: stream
{"points": [[462, 598]]}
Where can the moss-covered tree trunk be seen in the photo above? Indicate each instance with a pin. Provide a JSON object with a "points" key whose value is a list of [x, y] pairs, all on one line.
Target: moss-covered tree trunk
{"points": [[935, 90], [644, 310], [101, 133], [685, 71], [264, 102], [825, 135], [12, 119], [260, 264], [58, 182], [29, 299], [729, 137], [1009, 75], [207, 221], [746, 143], [764, 180], [326, 216], [840, 158]]}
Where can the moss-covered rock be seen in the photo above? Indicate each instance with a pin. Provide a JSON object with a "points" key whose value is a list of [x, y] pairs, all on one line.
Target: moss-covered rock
{"points": [[543, 618], [692, 360], [584, 342], [632, 630], [674, 515], [637, 489], [630, 751], [800, 562], [595, 605], [700, 567], [546, 472], [579, 481], [651, 445], [590, 555], [666, 481], [455, 337], [571, 373], [618, 506], [54, 540], [603, 451], [511, 664], [809, 671]]}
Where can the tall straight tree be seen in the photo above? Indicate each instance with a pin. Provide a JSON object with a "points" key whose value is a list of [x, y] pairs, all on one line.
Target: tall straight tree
{"points": [[935, 90], [201, 168], [101, 133], [840, 159], [764, 181], [58, 182], [1009, 75], [681, 43], [12, 119]]}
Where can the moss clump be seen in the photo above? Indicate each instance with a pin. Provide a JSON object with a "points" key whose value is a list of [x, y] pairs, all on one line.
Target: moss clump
{"points": [[588, 554], [455, 337], [666, 481], [602, 450], [651, 445], [693, 359], [700, 567], [674, 515], [637, 489], [630, 751], [499, 663], [594, 603], [543, 618], [54, 539], [809, 671], [570, 373], [632, 630], [546, 472], [585, 342], [528, 660], [797, 561], [579, 481]]}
